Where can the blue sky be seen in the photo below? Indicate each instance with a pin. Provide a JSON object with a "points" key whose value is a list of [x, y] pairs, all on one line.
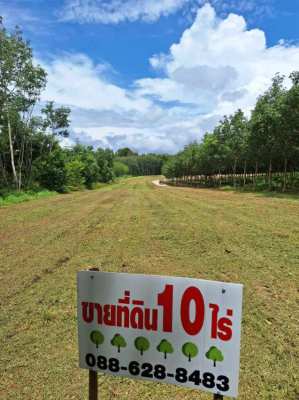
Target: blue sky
{"points": [[156, 74]]}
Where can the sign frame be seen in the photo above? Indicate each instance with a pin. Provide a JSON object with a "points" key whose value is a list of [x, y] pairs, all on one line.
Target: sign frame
{"points": [[93, 277]]}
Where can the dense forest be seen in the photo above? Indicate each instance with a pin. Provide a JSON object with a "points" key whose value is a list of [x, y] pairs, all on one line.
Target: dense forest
{"points": [[262, 151], [128, 162], [31, 156]]}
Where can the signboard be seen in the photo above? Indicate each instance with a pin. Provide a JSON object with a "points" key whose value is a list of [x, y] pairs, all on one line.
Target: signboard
{"points": [[166, 329]]}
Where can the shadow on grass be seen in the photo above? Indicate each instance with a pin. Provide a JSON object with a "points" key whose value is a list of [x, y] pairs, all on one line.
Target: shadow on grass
{"points": [[293, 195], [278, 195], [290, 195]]}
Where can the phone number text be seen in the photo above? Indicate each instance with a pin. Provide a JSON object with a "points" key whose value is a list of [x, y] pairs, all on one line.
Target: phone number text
{"points": [[159, 372]]}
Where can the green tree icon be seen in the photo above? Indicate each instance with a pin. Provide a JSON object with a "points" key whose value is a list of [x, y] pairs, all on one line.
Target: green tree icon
{"points": [[118, 341], [190, 350], [97, 338], [214, 354], [165, 347], [142, 344]]}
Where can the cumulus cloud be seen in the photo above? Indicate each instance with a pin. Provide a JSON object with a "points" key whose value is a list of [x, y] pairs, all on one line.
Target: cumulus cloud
{"points": [[217, 66], [115, 11], [75, 80], [218, 63], [102, 110]]}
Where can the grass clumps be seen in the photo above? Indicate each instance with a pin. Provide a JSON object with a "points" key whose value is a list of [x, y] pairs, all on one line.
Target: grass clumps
{"points": [[19, 197]]}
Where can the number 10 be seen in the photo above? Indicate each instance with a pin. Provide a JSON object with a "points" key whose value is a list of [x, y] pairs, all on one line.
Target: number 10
{"points": [[165, 300]]}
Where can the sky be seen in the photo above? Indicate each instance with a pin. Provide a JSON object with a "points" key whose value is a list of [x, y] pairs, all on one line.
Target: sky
{"points": [[155, 75]]}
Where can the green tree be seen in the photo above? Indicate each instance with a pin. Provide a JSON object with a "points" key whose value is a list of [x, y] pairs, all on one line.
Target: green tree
{"points": [[190, 350], [97, 338], [168, 169], [289, 133], [267, 124], [21, 82], [125, 152], [120, 169], [233, 133], [142, 165], [75, 175], [118, 341], [142, 344], [56, 119], [104, 159], [50, 170], [214, 354], [91, 170], [132, 164], [165, 347]]}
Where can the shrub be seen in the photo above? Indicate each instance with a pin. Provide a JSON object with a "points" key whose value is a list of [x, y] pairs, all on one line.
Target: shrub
{"points": [[120, 169], [74, 175]]}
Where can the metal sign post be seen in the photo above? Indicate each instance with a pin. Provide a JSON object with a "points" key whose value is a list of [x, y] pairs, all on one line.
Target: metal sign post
{"points": [[93, 385], [93, 375]]}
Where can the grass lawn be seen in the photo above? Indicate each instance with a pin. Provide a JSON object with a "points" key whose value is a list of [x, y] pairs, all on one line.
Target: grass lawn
{"points": [[132, 226], [20, 197]]}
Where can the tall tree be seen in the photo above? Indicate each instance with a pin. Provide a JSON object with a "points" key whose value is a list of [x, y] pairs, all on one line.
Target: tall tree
{"points": [[289, 135], [21, 83], [232, 133], [267, 123], [56, 120]]}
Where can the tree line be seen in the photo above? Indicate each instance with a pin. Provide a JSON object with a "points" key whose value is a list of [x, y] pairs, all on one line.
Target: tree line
{"points": [[139, 165], [31, 156], [30, 152], [262, 150]]}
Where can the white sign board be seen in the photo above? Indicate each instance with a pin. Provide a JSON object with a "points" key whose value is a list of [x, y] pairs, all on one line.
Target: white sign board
{"points": [[173, 330]]}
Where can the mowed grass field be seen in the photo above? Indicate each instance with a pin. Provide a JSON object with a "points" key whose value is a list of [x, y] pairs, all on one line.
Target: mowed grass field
{"points": [[133, 226]]}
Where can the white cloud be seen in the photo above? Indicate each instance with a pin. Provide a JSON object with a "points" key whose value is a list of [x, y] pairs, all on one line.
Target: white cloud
{"points": [[217, 66], [115, 11], [76, 81], [102, 110]]}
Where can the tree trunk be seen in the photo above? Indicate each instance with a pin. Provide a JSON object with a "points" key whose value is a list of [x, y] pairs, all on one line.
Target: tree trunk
{"points": [[21, 160], [12, 157], [270, 175], [245, 170], [256, 172], [3, 170], [285, 175], [29, 165], [234, 172]]}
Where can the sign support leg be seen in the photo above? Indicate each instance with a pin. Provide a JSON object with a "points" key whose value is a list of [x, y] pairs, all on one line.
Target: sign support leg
{"points": [[93, 385], [218, 397], [93, 375]]}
